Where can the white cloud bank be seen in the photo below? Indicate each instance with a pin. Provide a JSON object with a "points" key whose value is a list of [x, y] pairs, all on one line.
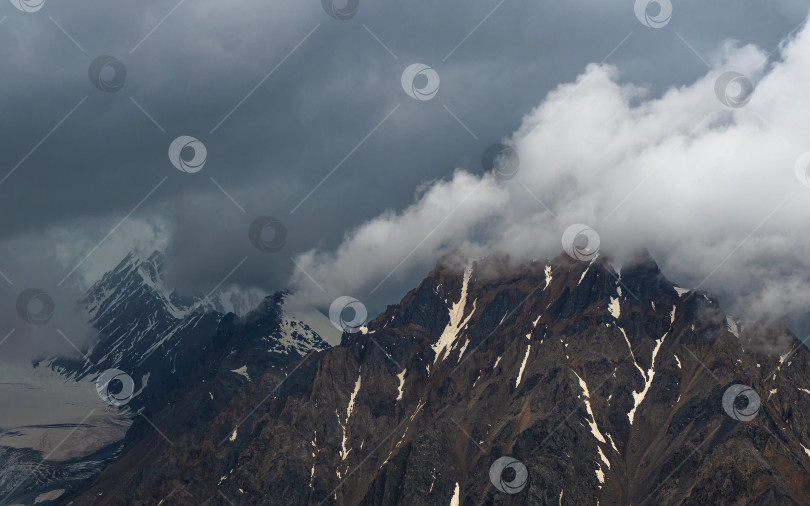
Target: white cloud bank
{"points": [[710, 190]]}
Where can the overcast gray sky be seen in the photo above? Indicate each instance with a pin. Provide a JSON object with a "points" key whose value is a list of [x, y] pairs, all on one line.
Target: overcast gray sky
{"points": [[282, 95]]}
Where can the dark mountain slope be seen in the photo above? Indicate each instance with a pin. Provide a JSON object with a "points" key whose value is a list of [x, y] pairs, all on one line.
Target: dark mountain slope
{"points": [[608, 387]]}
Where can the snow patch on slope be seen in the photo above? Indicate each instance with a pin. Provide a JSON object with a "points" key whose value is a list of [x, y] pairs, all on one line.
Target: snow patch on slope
{"points": [[638, 397], [592, 422], [455, 500], [457, 320], [242, 371], [602, 455], [732, 326], [614, 307], [523, 366], [345, 451], [401, 377]]}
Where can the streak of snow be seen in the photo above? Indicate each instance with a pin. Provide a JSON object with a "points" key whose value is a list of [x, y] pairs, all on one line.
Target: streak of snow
{"points": [[604, 459], [631, 353], [638, 397], [401, 377], [592, 422], [613, 444], [457, 320], [806, 450], [345, 451], [523, 366], [350, 407], [497, 360], [583, 275], [547, 272], [455, 500], [672, 314], [463, 349], [677, 360]]}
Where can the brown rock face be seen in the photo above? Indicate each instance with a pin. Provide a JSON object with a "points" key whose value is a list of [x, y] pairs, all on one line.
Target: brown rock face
{"points": [[602, 387]]}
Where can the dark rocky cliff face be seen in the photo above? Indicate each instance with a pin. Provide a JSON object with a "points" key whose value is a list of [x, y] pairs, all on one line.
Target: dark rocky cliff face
{"points": [[607, 387]]}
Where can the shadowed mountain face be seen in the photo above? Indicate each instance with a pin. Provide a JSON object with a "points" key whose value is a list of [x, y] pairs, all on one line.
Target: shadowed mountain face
{"points": [[149, 332], [605, 387]]}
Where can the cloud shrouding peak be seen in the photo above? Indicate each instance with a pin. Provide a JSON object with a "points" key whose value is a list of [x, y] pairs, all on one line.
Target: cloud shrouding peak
{"points": [[708, 187]]}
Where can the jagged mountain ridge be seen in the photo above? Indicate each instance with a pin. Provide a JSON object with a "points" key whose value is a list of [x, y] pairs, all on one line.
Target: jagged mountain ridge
{"points": [[607, 386], [137, 315], [148, 331]]}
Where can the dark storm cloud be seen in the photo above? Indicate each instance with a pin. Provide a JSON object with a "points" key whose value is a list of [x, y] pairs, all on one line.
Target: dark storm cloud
{"points": [[295, 127]]}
